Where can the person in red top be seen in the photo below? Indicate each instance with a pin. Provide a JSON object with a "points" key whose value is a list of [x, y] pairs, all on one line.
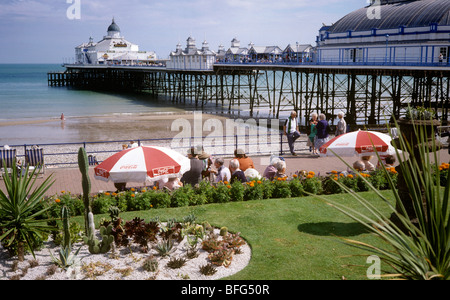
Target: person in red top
{"points": [[245, 162]]}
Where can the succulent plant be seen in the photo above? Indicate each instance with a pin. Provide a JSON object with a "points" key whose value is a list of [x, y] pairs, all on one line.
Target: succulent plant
{"points": [[150, 264], [176, 263], [208, 270]]}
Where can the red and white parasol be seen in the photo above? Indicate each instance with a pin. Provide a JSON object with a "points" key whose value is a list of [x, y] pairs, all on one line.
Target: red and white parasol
{"points": [[142, 164], [358, 143]]}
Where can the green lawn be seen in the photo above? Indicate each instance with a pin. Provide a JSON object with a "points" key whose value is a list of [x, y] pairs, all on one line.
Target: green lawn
{"points": [[291, 239]]}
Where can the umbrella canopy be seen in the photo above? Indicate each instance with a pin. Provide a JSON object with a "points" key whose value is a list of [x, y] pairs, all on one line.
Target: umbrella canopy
{"points": [[142, 164], [358, 143]]}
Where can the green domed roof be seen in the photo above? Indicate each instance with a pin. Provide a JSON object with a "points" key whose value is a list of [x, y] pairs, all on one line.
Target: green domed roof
{"points": [[113, 27]]}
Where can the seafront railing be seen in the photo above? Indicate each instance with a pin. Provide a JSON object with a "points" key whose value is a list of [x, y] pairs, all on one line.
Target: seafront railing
{"points": [[65, 154]]}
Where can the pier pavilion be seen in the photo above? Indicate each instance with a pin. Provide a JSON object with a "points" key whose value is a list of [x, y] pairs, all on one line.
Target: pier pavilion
{"points": [[113, 49]]}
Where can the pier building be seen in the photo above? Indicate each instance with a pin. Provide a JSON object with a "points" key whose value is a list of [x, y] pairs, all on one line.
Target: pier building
{"points": [[389, 32], [113, 49], [192, 58]]}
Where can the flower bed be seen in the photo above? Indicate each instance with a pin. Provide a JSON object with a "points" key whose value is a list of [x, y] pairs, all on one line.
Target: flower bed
{"points": [[298, 185]]}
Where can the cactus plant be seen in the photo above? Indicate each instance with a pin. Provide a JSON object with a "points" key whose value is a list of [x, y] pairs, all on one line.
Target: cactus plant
{"points": [[86, 184], [96, 246], [223, 231], [66, 258]]}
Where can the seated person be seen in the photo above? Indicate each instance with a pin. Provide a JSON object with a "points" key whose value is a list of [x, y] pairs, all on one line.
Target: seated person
{"points": [[251, 174], [236, 173], [173, 183], [194, 175], [271, 170], [359, 166], [245, 162], [368, 166], [120, 186], [386, 161], [223, 173], [281, 169]]}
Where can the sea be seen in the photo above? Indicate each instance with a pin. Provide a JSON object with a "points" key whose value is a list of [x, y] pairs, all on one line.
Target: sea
{"points": [[25, 98]]}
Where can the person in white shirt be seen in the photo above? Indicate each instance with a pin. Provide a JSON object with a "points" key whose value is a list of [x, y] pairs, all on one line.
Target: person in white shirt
{"points": [[223, 173], [291, 131]]}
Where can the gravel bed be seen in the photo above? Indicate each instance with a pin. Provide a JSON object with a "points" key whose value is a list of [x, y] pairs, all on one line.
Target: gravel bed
{"points": [[127, 265]]}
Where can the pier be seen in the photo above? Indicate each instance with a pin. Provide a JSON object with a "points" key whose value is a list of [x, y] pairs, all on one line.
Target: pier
{"points": [[366, 94]]}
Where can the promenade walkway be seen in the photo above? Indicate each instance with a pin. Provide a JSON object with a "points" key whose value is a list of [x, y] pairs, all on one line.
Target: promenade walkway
{"points": [[69, 179]]}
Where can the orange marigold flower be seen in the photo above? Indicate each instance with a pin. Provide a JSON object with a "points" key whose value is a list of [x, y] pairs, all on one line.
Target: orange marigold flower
{"points": [[259, 181], [107, 194], [62, 192], [350, 176], [334, 172], [57, 200], [155, 188], [151, 205], [279, 178], [114, 194], [132, 189], [229, 186], [225, 182], [309, 176], [341, 175], [335, 178], [311, 173], [252, 184], [133, 195]]}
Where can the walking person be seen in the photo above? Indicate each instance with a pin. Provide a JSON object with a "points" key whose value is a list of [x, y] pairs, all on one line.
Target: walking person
{"points": [[341, 126], [322, 132], [312, 134], [291, 130]]}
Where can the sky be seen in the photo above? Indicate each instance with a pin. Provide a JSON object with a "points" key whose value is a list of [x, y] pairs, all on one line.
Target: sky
{"points": [[47, 31]]}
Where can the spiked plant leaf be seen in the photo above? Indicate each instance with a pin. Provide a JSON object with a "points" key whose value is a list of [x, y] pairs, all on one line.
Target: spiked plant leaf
{"points": [[419, 250], [19, 208]]}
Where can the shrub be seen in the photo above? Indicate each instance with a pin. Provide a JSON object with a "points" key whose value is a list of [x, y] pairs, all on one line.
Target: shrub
{"points": [[221, 194], [296, 188], [237, 191], [160, 200], [182, 196], [206, 189], [330, 185], [101, 203], [312, 184], [281, 188], [254, 190]]}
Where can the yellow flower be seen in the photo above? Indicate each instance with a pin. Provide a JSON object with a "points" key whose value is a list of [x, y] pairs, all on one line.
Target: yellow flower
{"points": [[229, 186], [295, 175], [311, 173], [252, 184], [114, 194], [143, 190], [335, 178], [259, 182], [151, 206]]}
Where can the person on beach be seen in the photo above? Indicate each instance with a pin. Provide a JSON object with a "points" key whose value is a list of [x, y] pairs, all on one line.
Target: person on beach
{"points": [[236, 173], [341, 126], [245, 162], [291, 130], [194, 175], [222, 173], [312, 134], [322, 132], [368, 166]]}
